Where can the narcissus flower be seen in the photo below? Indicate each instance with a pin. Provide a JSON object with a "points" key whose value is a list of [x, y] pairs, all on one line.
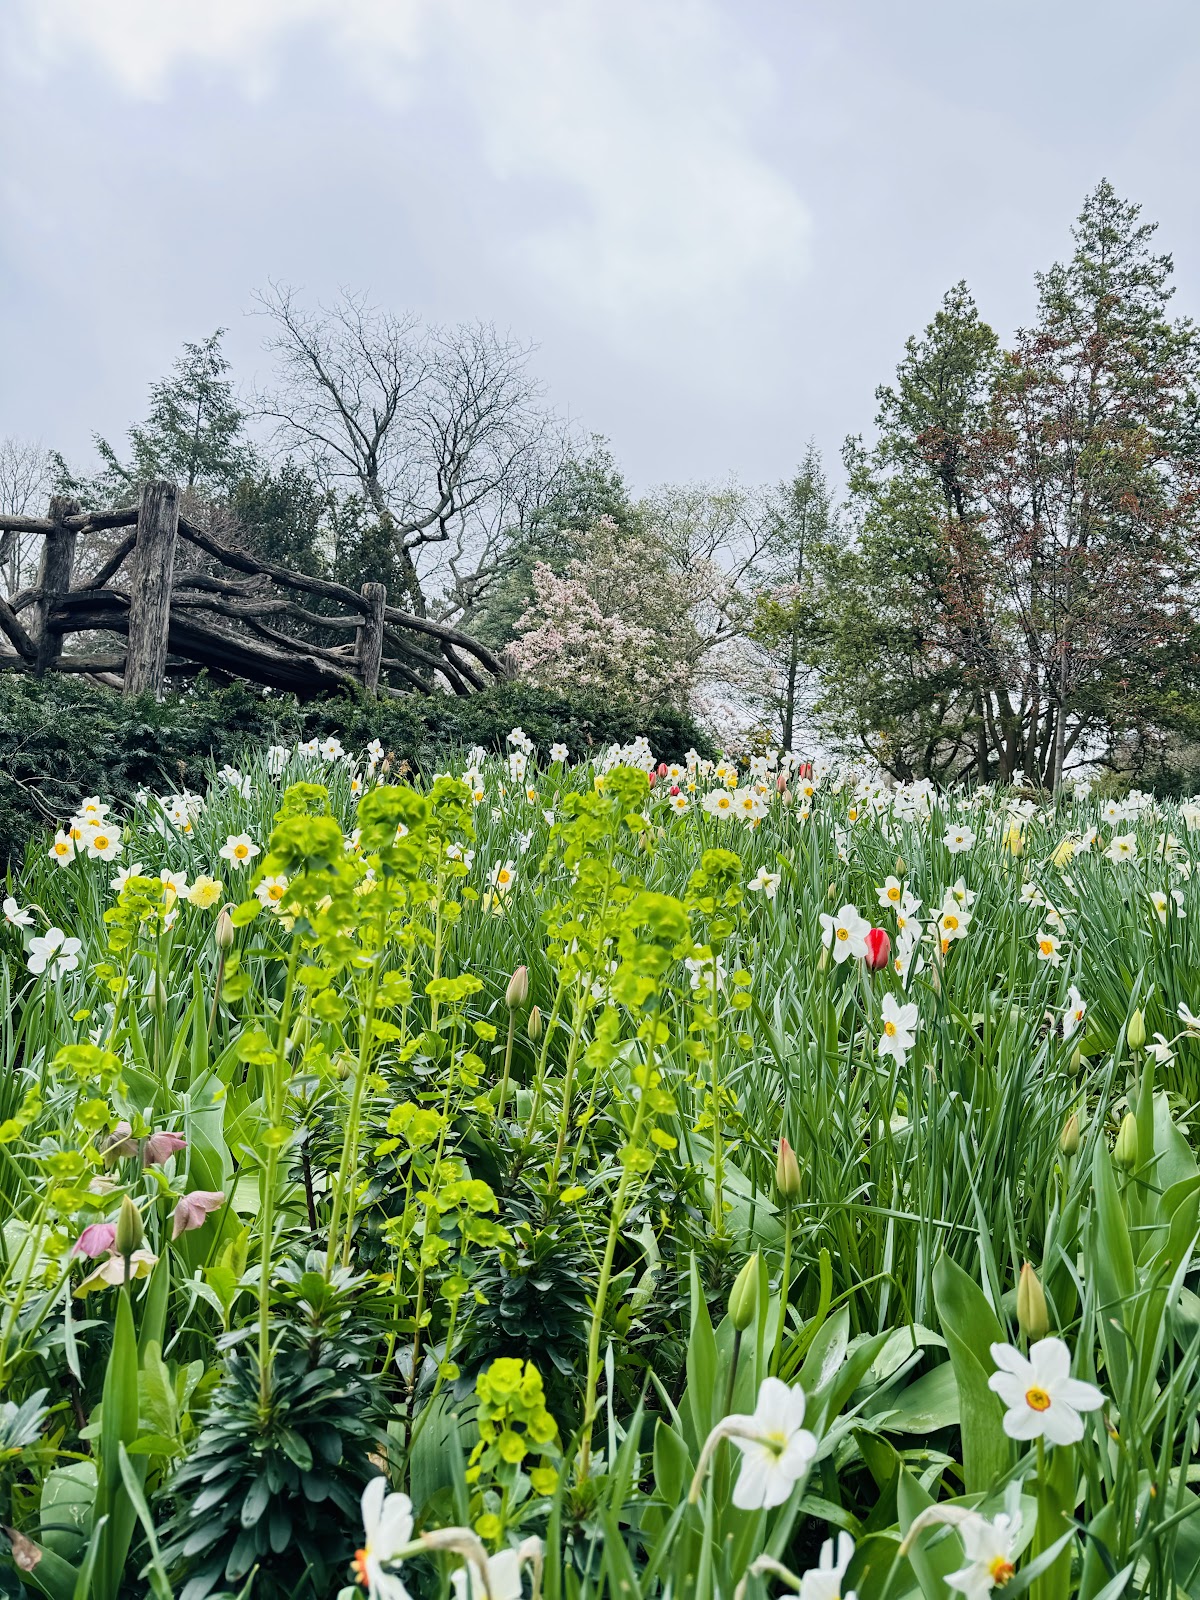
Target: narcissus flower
{"points": [[15, 916], [824, 1581], [765, 883], [777, 1450], [63, 848], [1049, 948], [957, 840], [205, 892], [53, 953], [102, 843], [239, 850], [1042, 1399], [988, 1544], [1075, 1012], [845, 934], [900, 1025], [387, 1526]]}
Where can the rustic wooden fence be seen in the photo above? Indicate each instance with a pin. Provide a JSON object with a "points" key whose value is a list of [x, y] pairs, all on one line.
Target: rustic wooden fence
{"points": [[177, 619]]}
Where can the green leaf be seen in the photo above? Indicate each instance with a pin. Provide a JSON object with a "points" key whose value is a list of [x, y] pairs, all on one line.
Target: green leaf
{"points": [[971, 1328]]}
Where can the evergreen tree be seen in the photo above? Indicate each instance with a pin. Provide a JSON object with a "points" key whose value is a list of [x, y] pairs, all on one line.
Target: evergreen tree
{"points": [[194, 434]]}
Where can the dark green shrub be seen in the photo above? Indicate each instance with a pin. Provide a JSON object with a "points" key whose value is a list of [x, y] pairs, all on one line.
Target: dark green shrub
{"points": [[61, 739]]}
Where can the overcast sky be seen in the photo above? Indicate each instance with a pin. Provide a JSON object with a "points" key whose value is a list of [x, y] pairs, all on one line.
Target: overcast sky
{"points": [[719, 221]]}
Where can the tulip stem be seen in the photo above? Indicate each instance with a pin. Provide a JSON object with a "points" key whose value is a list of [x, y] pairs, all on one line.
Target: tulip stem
{"points": [[733, 1366], [785, 1286], [508, 1052]]}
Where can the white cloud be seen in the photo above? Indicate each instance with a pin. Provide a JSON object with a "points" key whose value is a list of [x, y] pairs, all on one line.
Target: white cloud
{"points": [[624, 131]]}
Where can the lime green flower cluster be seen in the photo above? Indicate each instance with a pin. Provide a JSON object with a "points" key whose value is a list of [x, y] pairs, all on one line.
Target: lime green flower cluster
{"points": [[513, 1425]]}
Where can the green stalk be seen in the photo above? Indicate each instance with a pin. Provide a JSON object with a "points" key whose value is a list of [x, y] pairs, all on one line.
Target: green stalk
{"points": [[275, 1086], [610, 1248], [785, 1284]]}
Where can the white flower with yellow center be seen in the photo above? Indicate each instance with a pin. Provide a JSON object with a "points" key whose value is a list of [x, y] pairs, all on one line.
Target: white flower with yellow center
{"points": [[270, 892], [988, 1545], [504, 876], [1075, 1012], [102, 842], [845, 934], [765, 883], [891, 893], [777, 1450], [1049, 948], [899, 1025], [239, 850], [63, 849], [1122, 847], [53, 953], [718, 803], [1042, 1399]]}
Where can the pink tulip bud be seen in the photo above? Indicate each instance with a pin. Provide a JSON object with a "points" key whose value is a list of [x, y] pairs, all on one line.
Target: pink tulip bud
{"points": [[160, 1147], [650, 777], [96, 1240], [662, 769], [674, 789], [194, 1208], [879, 949], [781, 783]]}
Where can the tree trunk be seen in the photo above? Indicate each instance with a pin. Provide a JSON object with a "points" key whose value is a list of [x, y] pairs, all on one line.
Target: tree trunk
{"points": [[370, 636], [150, 590], [54, 578]]}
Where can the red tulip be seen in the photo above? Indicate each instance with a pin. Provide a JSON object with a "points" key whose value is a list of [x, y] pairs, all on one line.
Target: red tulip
{"points": [[674, 789], [879, 949], [662, 769]]}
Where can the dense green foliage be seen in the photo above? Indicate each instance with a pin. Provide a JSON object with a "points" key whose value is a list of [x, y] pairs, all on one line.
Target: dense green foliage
{"points": [[63, 739]]}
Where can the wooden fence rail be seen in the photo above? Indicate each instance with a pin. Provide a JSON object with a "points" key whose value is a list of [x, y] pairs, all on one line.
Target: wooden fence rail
{"points": [[177, 618]]}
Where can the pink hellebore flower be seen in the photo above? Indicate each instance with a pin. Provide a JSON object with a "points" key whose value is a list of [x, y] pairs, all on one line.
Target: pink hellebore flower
{"points": [[96, 1240], [160, 1147], [194, 1208], [120, 1143]]}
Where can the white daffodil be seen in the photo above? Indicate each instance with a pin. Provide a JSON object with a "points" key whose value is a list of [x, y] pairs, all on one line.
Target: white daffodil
{"points": [[101, 842], [824, 1581], [53, 953], [899, 1028], [776, 1448], [988, 1544], [1123, 847], [1042, 1399], [960, 894], [845, 934], [15, 916], [503, 1573], [1049, 948], [764, 882], [1160, 1048], [1191, 1022], [504, 875], [891, 894], [1075, 1012], [239, 850], [387, 1525], [62, 850], [559, 752], [718, 803], [958, 840]]}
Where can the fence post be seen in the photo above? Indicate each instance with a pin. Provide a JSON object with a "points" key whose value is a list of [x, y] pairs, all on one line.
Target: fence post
{"points": [[150, 588], [54, 578], [370, 636]]}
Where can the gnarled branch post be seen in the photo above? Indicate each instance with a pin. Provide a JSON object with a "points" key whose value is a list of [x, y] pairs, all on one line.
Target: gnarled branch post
{"points": [[54, 579], [150, 587], [370, 635]]}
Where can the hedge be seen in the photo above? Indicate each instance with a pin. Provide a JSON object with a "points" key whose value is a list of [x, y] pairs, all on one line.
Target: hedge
{"points": [[61, 739]]}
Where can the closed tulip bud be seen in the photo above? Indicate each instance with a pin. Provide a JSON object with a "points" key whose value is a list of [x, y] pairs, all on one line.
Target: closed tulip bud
{"points": [[1068, 1139], [517, 992], [662, 769], [831, 892], [1033, 1316], [901, 868], [533, 1025], [223, 930], [1076, 1060], [1135, 1033], [787, 1171], [879, 950], [1125, 1152], [743, 1297], [130, 1232]]}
